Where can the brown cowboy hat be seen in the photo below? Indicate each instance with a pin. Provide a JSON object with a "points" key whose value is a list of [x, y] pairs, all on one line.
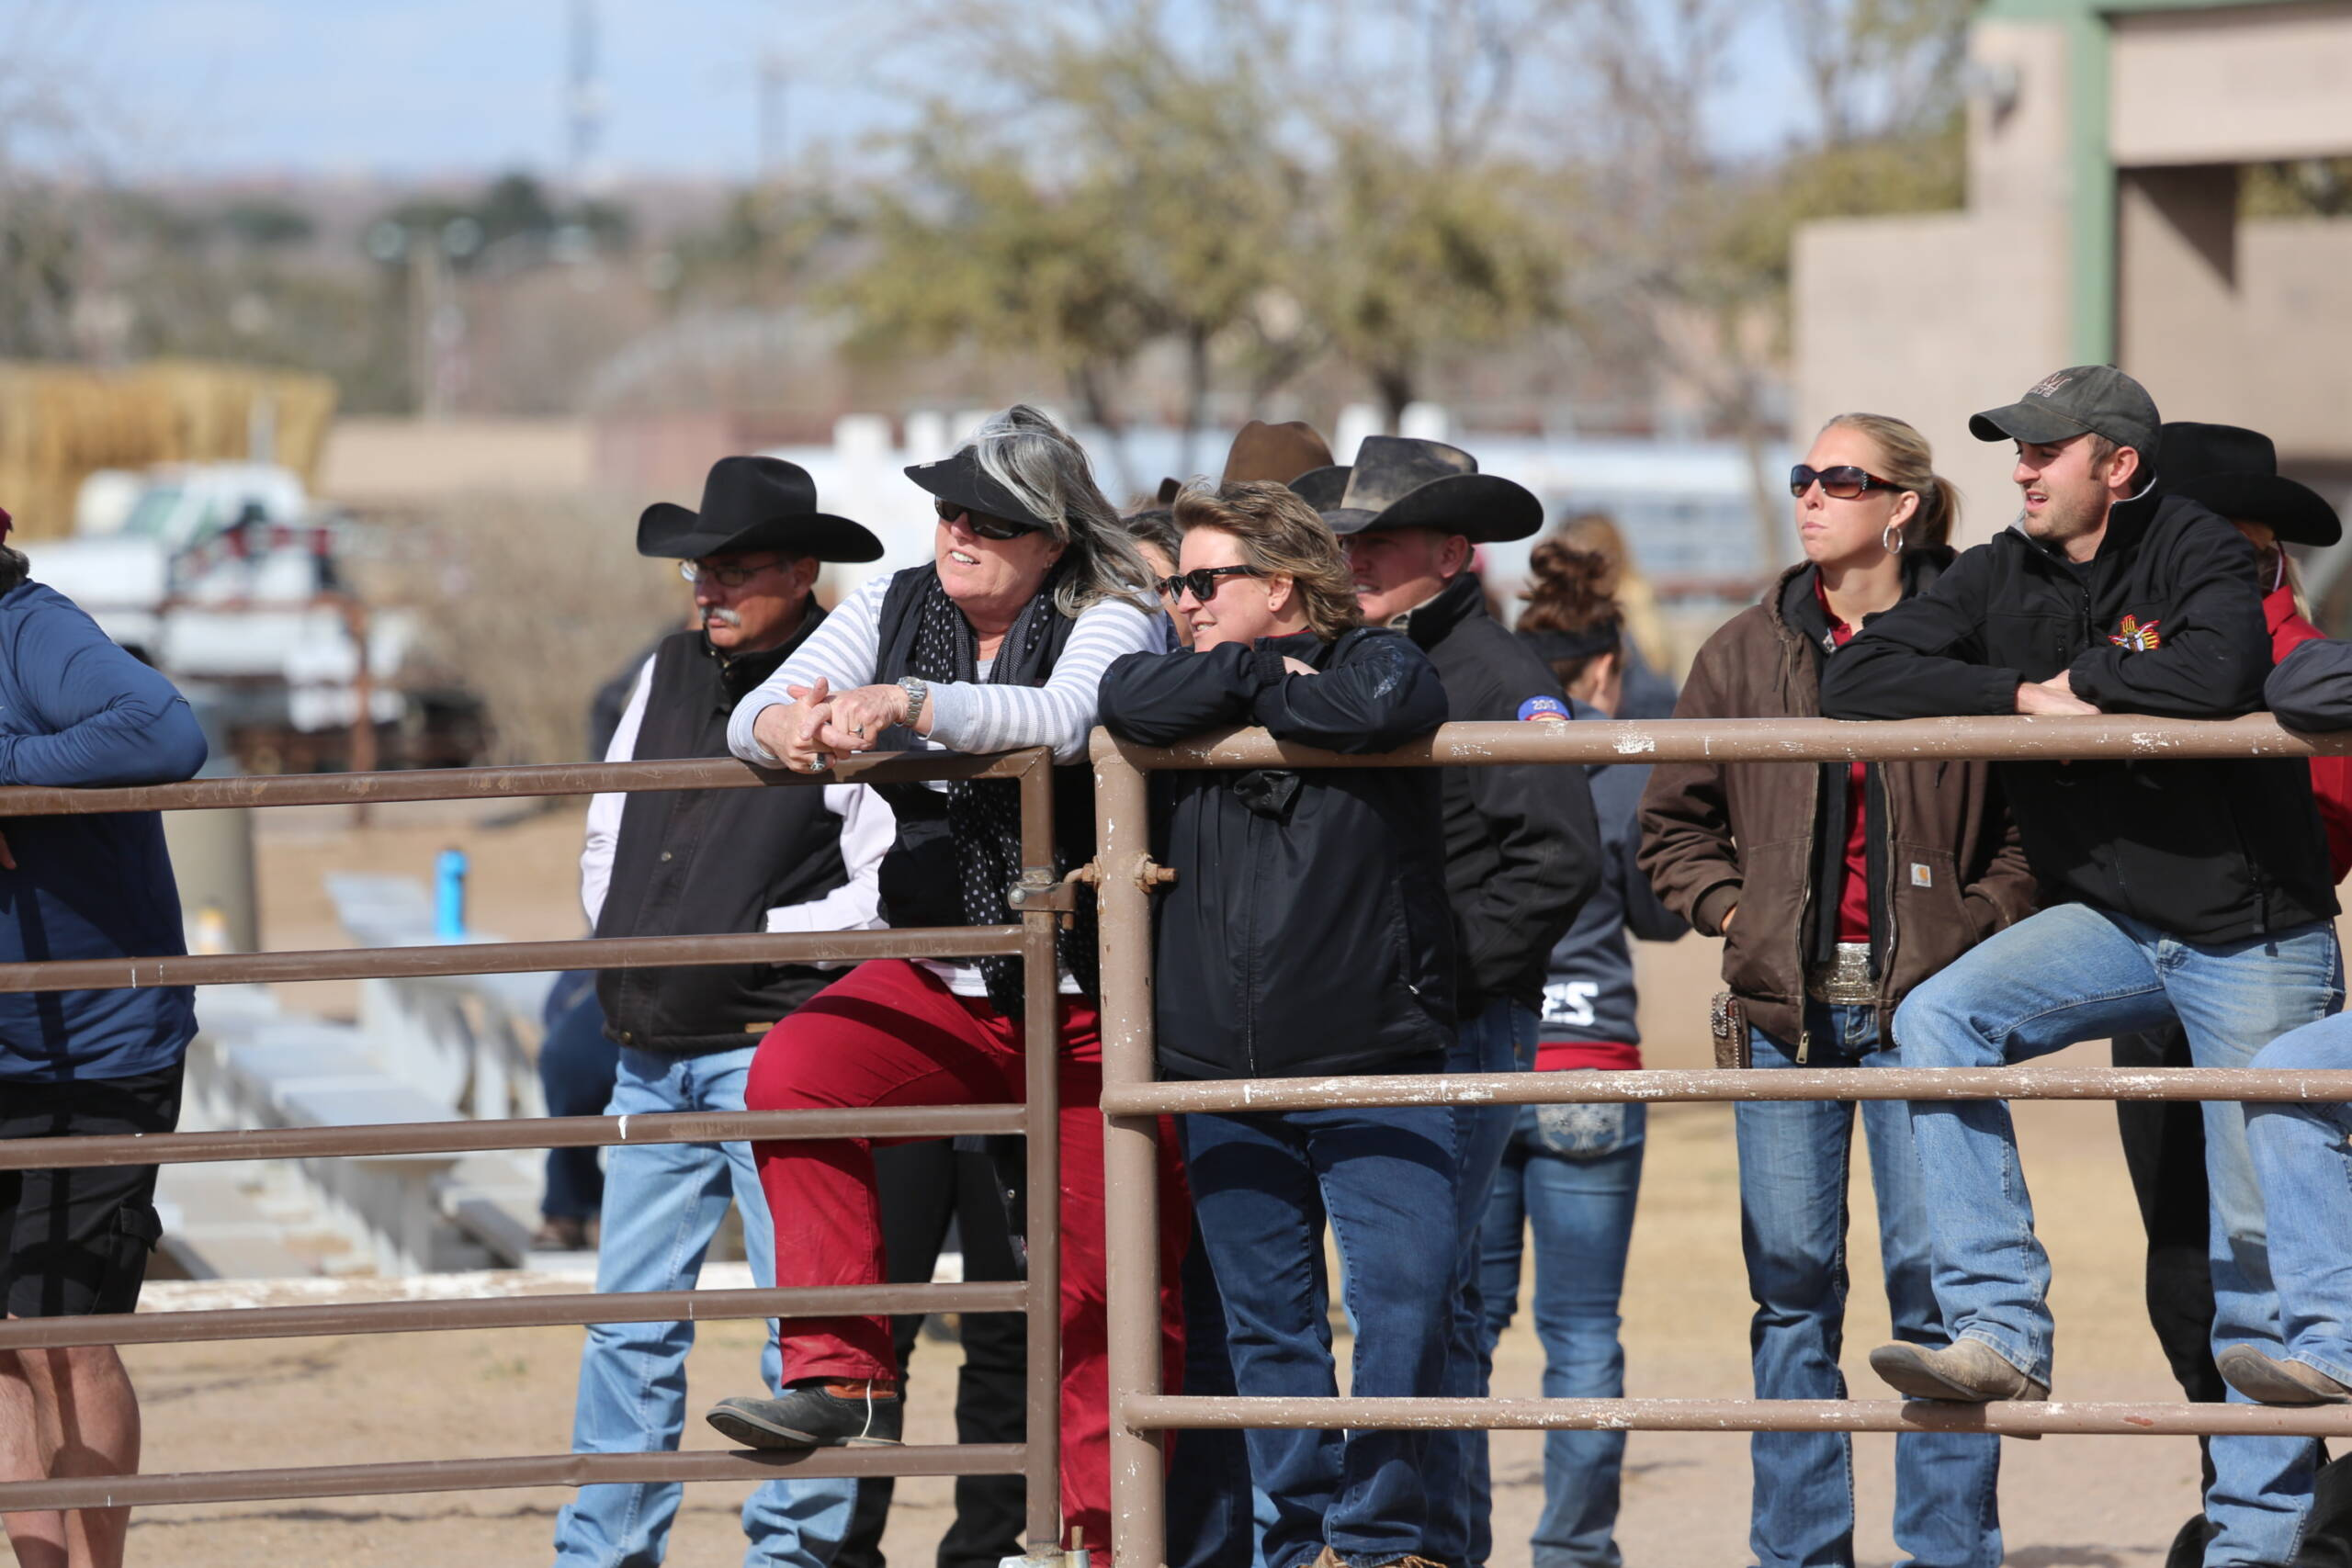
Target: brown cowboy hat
{"points": [[1274, 454], [1266, 454], [1398, 482]]}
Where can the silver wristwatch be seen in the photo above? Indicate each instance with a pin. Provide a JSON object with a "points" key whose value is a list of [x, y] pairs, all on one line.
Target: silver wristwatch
{"points": [[917, 689]]}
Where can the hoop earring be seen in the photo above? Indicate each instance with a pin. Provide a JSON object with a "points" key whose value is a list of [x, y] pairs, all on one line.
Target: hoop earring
{"points": [[1890, 538]]}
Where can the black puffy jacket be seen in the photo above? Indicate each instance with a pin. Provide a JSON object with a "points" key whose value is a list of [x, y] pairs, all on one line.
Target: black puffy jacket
{"points": [[1307, 929], [2163, 619]]}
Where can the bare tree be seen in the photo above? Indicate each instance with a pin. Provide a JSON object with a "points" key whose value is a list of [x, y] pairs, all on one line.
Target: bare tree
{"points": [[46, 154]]}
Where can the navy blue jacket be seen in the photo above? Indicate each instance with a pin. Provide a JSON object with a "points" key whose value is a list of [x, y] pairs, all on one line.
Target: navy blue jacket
{"points": [[1588, 989], [77, 711], [1307, 929]]}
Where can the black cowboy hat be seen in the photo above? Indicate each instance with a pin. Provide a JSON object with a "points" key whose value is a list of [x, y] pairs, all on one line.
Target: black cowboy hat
{"points": [[1321, 488], [959, 478], [1399, 482], [753, 504], [2235, 472]]}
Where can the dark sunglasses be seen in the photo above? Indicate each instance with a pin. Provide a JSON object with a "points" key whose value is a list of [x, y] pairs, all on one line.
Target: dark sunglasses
{"points": [[980, 523], [1201, 582], [1844, 482]]}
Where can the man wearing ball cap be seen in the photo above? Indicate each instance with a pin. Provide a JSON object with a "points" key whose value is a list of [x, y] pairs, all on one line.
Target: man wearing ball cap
{"points": [[2189, 890]]}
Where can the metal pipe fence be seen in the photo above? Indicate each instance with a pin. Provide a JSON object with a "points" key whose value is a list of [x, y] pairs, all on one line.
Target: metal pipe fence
{"points": [[1142, 1413], [1037, 1296], [1123, 877]]}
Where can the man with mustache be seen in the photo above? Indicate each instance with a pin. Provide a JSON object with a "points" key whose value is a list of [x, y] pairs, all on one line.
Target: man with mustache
{"points": [[705, 862]]}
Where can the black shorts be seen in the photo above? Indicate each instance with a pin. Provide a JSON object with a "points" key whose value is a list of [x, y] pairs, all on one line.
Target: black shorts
{"points": [[75, 1242]]}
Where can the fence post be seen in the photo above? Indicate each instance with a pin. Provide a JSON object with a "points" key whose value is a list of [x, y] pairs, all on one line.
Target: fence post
{"points": [[1042, 1042], [1130, 1158]]}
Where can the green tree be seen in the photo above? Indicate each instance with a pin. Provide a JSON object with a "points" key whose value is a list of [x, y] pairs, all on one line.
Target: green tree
{"points": [[1408, 262], [982, 251]]}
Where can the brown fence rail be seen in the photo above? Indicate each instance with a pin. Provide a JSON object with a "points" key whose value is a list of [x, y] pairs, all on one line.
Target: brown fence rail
{"points": [[1133, 1101], [1033, 940], [1124, 875], [504, 1471], [502, 1312]]}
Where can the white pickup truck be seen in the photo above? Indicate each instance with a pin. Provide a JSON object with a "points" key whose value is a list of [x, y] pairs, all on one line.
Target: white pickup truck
{"points": [[217, 574]]}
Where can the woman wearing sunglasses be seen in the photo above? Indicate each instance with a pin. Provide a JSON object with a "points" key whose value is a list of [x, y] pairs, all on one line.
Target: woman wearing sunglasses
{"points": [[1307, 931], [1000, 642], [1836, 887]]}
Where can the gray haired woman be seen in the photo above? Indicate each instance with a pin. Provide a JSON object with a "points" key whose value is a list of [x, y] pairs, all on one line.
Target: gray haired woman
{"points": [[1000, 642]]}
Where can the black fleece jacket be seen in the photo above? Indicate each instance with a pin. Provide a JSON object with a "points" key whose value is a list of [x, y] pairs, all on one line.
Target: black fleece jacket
{"points": [[2165, 619], [1306, 930], [1522, 847]]}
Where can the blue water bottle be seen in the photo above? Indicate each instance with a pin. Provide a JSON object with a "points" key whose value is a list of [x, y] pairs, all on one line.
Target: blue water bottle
{"points": [[449, 896]]}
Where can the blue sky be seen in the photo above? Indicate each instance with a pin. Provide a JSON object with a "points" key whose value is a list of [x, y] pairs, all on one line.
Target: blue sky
{"points": [[406, 87]]}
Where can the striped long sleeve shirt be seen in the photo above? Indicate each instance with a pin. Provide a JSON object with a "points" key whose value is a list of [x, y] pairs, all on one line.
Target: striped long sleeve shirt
{"points": [[964, 717]]}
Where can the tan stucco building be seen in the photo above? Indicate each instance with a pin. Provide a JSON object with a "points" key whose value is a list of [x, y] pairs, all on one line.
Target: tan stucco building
{"points": [[2105, 138]]}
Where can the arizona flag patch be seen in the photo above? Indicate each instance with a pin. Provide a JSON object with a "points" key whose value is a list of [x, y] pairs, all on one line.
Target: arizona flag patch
{"points": [[2134, 637]]}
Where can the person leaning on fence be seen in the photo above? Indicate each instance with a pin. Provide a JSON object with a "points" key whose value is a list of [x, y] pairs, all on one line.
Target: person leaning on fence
{"points": [[2303, 1149], [1570, 1172], [1212, 1505], [1000, 642], [1838, 889], [1522, 851], [2195, 890], [76, 711], [2235, 472], [694, 863], [1307, 933]]}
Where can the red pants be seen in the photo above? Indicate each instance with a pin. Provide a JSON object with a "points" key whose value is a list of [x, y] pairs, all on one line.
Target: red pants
{"points": [[890, 1034]]}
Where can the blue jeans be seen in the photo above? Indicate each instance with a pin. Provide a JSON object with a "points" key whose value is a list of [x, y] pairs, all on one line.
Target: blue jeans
{"points": [[1211, 1512], [577, 1062], [1499, 1040], [2076, 973], [1262, 1185], [1570, 1173], [2306, 1170], [662, 1204], [1793, 1157]]}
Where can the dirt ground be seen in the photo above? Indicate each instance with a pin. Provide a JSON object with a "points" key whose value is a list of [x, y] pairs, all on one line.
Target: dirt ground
{"points": [[2067, 1502]]}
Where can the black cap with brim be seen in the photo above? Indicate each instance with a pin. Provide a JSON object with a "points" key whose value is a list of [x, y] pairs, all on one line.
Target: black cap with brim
{"points": [[959, 478], [2082, 399], [1486, 509], [2036, 422]]}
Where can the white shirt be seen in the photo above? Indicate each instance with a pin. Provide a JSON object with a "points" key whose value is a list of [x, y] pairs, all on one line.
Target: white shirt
{"points": [[868, 829]]}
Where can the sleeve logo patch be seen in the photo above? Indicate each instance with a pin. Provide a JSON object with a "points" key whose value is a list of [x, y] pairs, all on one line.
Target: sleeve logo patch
{"points": [[1548, 708], [2132, 636]]}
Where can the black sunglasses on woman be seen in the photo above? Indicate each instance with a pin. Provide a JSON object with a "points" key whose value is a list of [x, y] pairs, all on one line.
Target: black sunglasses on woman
{"points": [[1203, 581], [1844, 482], [980, 523]]}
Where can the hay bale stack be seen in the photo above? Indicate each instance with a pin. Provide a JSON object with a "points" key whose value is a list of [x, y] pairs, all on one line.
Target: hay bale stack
{"points": [[58, 424]]}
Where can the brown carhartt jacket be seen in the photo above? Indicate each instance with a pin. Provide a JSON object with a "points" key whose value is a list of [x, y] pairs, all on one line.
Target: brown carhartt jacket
{"points": [[1716, 835]]}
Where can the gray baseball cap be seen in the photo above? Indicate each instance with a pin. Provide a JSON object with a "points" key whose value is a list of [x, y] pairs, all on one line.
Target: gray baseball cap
{"points": [[2085, 399]]}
